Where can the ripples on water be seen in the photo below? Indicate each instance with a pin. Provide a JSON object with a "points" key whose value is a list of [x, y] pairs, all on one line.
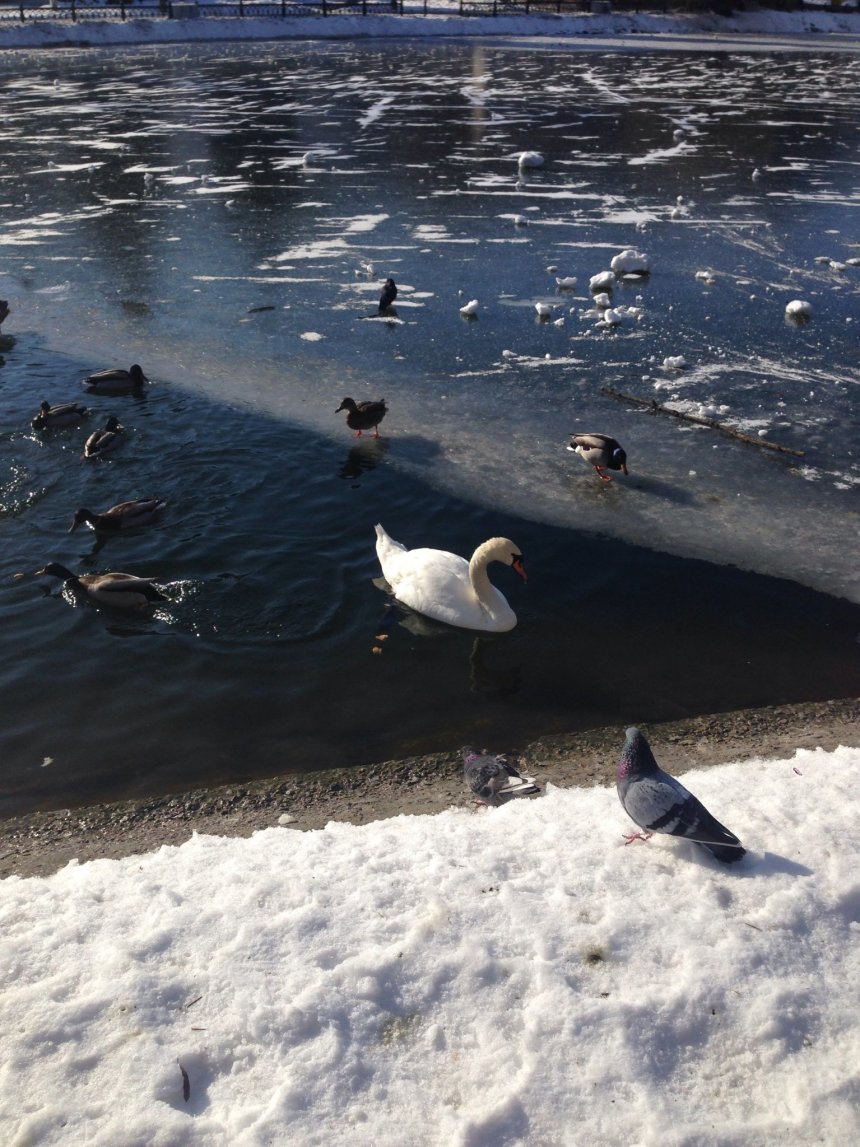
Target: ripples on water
{"points": [[215, 223]]}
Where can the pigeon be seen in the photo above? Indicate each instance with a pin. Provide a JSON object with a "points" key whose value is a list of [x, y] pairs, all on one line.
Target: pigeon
{"points": [[389, 294], [659, 803], [603, 452], [493, 778]]}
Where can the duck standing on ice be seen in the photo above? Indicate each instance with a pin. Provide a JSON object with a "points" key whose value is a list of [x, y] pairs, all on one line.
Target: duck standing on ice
{"points": [[363, 415], [603, 452]]}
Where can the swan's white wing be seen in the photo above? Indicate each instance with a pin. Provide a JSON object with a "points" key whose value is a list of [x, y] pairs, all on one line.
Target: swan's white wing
{"points": [[437, 584]]}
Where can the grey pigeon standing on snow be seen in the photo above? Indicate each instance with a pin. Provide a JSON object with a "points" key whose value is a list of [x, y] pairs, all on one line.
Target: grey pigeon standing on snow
{"points": [[492, 778], [659, 803]]}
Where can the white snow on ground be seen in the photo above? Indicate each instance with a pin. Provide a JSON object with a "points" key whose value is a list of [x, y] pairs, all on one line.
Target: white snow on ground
{"points": [[508, 976]]}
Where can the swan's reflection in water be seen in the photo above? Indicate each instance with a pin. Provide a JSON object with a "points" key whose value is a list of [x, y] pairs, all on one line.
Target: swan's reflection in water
{"points": [[496, 680], [486, 675]]}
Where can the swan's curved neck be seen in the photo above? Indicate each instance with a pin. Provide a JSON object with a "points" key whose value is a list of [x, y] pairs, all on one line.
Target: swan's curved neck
{"points": [[479, 577]]}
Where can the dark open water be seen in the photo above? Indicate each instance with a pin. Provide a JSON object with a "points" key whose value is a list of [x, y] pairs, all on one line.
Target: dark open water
{"points": [[264, 662]]}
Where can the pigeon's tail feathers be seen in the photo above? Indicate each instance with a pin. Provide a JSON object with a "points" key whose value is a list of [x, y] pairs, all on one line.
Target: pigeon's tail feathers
{"points": [[516, 786], [727, 853], [715, 837], [520, 786]]}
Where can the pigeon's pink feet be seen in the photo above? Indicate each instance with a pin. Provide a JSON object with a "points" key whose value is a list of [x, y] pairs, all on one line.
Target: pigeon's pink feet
{"points": [[629, 837]]}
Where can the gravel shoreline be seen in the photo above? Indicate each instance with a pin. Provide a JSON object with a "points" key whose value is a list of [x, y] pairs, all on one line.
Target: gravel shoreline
{"points": [[41, 843]]}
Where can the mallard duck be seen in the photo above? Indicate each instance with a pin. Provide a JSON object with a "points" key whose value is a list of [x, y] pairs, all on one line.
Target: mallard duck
{"points": [[448, 588], [123, 516], [362, 415], [64, 414], [117, 590], [389, 294], [116, 381], [601, 451], [105, 440]]}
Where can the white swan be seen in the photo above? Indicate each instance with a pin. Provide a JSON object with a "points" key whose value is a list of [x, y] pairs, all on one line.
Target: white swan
{"points": [[446, 587]]}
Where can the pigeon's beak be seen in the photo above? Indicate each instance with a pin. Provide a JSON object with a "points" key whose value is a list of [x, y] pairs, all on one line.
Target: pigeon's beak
{"points": [[517, 563]]}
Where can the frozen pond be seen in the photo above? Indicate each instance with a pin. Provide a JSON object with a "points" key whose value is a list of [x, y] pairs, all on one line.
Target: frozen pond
{"points": [[225, 216]]}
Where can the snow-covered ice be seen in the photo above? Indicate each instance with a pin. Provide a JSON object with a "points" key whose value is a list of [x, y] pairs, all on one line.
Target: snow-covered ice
{"points": [[510, 976]]}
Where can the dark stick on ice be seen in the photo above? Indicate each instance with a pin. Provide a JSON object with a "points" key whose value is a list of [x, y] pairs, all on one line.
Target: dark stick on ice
{"points": [[700, 420]]}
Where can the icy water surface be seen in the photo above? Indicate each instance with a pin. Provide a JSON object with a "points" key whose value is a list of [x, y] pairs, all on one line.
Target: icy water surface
{"points": [[225, 216]]}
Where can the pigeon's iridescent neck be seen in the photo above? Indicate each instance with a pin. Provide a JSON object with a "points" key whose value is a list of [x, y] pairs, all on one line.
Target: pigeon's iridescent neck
{"points": [[625, 767]]}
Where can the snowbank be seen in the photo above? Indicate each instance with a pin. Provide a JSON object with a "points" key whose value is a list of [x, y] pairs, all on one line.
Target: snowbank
{"points": [[511, 976]]}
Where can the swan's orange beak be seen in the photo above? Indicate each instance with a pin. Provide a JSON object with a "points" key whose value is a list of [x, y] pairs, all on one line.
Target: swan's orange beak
{"points": [[517, 563]]}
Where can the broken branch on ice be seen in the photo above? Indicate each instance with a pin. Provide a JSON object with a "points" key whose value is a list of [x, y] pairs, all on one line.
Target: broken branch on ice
{"points": [[700, 420]]}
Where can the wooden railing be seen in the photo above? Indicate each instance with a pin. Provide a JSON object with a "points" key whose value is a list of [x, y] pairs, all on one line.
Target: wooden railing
{"points": [[190, 9]]}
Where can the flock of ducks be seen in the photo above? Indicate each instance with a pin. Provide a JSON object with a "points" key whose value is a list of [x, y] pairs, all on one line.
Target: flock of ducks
{"points": [[435, 583], [115, 589]]}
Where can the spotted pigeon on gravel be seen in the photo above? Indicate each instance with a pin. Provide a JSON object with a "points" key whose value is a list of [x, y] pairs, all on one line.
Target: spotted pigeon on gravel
{"points": [[493, 779], [659, 803]]}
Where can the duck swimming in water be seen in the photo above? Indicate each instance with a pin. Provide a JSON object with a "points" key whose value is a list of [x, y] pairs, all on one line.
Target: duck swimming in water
{"points": [[104, 441], [116, 590], [64, 414], [123, 516], [116, 381]]}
